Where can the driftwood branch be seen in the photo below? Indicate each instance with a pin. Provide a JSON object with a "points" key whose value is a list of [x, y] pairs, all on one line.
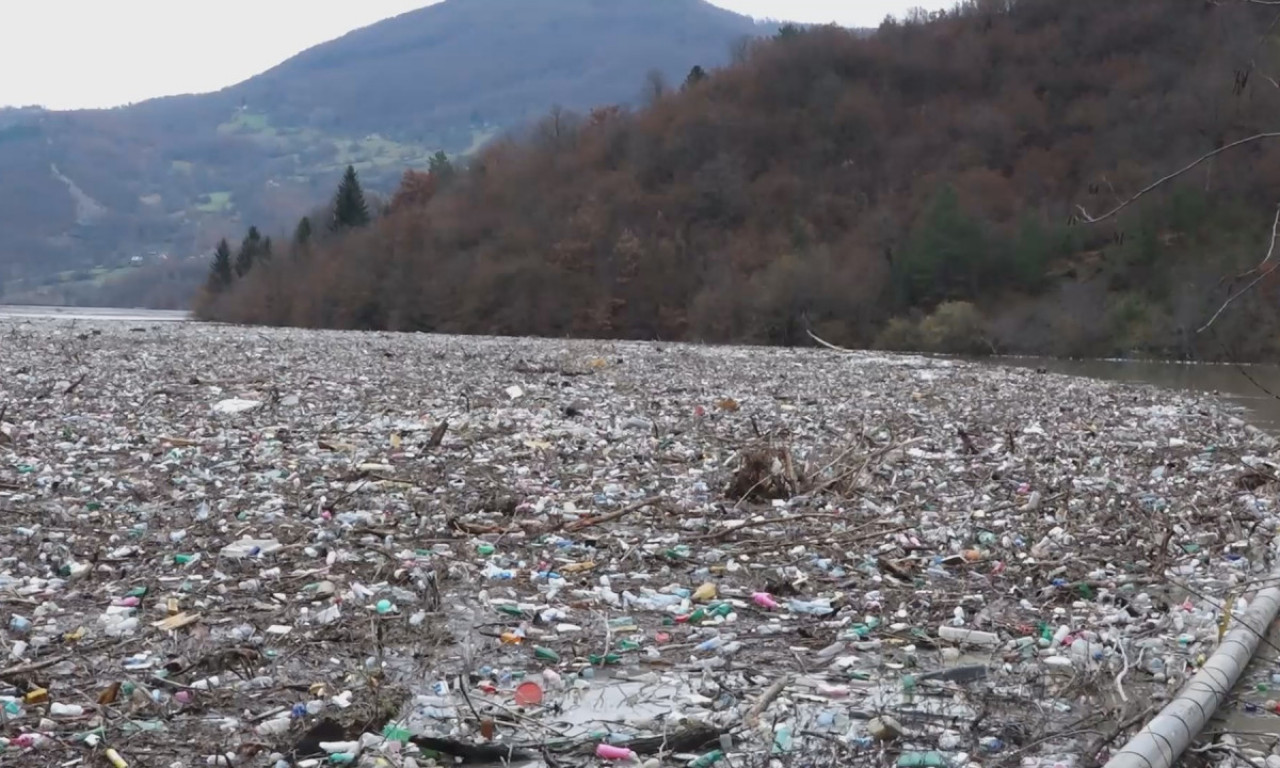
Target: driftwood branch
{"points": [[828, 344], [588, 522]]}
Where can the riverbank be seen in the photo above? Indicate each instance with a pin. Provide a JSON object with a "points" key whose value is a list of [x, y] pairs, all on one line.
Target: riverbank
{"points": [[224, 538]]}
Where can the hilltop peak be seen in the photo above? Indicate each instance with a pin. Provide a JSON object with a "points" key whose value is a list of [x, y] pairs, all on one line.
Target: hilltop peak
{"points": [[171, 173]]}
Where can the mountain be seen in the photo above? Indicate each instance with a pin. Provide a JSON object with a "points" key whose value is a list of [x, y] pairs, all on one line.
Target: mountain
{"points": [[86, 192], [923, 187]]}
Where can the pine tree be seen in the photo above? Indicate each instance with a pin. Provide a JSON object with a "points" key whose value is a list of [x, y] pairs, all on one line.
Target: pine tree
{"points": [[696, 75], [349, 208], [302, 235], [441, 167], [220, 274], [250, 248]]}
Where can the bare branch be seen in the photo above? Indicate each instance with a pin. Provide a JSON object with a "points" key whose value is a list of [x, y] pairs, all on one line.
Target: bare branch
{"points": [[1152, 186], [1262, 273]]}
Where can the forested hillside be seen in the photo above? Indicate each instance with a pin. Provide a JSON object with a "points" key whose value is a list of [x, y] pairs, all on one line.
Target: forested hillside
{"points": [[927, 186], [86, 193]]}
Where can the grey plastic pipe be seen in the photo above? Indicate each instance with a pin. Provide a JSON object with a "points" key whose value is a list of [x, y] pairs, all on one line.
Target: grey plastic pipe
{"points": [[1164, 738]]}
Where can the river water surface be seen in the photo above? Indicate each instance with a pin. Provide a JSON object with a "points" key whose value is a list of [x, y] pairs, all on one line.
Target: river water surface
{"points": [[1248, 386]]}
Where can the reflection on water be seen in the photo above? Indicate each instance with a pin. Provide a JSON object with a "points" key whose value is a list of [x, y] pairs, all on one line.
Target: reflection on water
{"points": [[93, 313], [1230, 382]]}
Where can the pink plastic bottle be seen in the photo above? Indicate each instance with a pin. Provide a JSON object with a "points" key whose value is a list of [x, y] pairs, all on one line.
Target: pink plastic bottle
{"points": [[765, 600], [610, 752]]}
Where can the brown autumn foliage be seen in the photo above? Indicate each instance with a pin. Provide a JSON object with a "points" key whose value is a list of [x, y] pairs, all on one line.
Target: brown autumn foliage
{"points": [[839, 181]]}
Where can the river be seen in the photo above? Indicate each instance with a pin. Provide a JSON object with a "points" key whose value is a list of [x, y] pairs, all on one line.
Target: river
{"points": [[1244, 385]]}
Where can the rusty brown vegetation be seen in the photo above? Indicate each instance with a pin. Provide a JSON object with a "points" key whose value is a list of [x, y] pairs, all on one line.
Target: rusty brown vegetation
{"points": [[919, 187]]}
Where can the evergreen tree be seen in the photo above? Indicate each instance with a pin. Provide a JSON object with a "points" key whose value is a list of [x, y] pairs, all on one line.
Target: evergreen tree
{"points": [[220, 274], [302, 235], [1030, 254], [696, 75], [250, 248], [349, 207], [264, 254], [946, 255], [442, 168]]}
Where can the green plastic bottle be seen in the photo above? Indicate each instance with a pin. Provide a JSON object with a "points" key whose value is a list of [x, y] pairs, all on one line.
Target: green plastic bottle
{"points": [[782, 741], [708, 760], [922, 760], [396, 732]]}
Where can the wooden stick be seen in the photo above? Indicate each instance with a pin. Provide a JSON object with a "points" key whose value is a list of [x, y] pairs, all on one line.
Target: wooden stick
{"points": [[766, 698], [588, 522], [35, 666]]}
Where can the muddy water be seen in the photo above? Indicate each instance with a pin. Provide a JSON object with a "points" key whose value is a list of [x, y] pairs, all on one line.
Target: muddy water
{"points": [[1245, 714], [1247, 386]]}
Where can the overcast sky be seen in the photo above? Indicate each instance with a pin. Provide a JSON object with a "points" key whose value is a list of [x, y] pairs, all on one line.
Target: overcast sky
{"points": [[67, 54]]}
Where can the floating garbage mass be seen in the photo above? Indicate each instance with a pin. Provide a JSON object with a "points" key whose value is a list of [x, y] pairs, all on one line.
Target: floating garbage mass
{"points": [[256, 547]]}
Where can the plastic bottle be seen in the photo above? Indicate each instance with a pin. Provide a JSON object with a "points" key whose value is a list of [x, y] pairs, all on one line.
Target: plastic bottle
{"points": [[831, 651], [651, 600], [552, 679], [810, 607], [707, 760], [765, 600], [29, 740], [610, 752], [58, 709], [275, 727], [968, 636], [697, 617], [499, 574], [713, 643]]}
